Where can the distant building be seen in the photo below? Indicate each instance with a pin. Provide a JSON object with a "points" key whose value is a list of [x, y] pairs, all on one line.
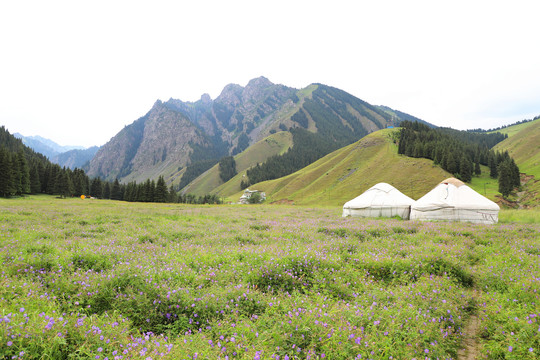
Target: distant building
{"points": [[244, 199]]}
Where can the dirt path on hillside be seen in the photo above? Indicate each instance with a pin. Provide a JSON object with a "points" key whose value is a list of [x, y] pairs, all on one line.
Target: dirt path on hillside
{"points": [[469, 350]]}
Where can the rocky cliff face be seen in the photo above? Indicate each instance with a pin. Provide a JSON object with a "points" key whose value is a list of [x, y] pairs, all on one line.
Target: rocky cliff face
{"points": [[151, 146], [177, 134]]}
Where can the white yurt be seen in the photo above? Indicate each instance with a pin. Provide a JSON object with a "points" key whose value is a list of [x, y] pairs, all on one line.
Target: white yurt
{"points": [[452, 200], [381, 200]]}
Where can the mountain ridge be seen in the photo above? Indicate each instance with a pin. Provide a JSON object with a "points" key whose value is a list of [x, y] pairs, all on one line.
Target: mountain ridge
{"points": [[199, 133], [70, 156]]}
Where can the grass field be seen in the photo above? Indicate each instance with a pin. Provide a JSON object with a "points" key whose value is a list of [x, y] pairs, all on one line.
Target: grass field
{"points": [[110, 280]]}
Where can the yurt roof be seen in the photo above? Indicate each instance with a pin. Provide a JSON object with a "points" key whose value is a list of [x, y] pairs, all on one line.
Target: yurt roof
{"points": [[453, 193], [380, 195]]}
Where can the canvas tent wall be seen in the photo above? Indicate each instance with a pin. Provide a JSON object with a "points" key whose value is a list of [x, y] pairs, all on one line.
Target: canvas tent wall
{"points": [[452, 200], [381, 200]]}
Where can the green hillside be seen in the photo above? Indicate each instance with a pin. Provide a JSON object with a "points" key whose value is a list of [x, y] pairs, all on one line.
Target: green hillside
{"points": [[514, 129], [209, 182], [349, 171], [523, 144]]}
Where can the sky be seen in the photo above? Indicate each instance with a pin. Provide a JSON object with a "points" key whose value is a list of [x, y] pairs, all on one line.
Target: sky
{"points": [[77, 72]]}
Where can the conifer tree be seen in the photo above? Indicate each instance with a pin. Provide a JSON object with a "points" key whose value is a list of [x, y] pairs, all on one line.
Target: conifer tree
{"points": [[451, 163], [53, 174], [62, 187], [24, 172], [35, 184], [227, 168], [161, 190], [465, 169], [5, 173], [116, 191], [147, 194], [15, 177], [492, 163], [516, 178], [505, 178], [106, 190], [96, 188]]}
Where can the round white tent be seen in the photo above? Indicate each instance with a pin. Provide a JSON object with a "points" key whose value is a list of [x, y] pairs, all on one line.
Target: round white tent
{"points": [[452, 200], [381, 200]]}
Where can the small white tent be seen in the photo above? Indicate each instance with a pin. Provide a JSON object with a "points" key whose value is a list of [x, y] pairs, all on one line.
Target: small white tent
{"points": [[381, 200], [452, 200]]}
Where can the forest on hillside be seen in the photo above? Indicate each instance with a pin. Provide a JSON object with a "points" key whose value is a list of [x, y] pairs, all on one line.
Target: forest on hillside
{"points": [[460, 152], [23, 171]]}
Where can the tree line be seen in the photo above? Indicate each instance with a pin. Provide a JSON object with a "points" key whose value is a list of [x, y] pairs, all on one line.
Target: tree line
{"points": [[505, 126], [460, 152], [23, 171]]}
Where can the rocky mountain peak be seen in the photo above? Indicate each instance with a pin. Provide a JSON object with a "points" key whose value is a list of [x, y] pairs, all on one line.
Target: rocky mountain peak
{"points": [[231, 94], [206, 99], [256, 89], [260, 82], [157, 104]]}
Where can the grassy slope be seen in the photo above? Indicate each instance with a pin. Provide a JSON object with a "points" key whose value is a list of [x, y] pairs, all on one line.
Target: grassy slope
{"points": [[514, 129], [209, 182], [523, 144], [347, 172]]}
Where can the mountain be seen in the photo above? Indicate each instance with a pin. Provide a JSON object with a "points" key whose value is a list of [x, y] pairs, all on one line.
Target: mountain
{"points": [[76, 158], [349, 171], [181, 140], [45, 146], [65, 156], [159, 143]]}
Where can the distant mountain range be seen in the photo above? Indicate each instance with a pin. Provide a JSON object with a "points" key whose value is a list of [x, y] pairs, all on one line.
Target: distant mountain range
{"points": [[178, 139], [68, 156]]}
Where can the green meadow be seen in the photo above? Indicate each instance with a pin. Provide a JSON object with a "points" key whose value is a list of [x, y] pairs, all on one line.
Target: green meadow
{"points": [[96, 279]]}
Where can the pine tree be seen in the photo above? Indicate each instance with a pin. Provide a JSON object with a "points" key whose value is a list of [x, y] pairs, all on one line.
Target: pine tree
{"points": [[451, 163], [227, 168], [465, 169], [161, 191], [505, 178], [5, 173], [96, 188], [24, 173], [106, 190], [62, 184], [115, 191], [492, 163], [15, 177], [147, 195], [51, 183], [44, 177], [516, 177], [35, 184]]}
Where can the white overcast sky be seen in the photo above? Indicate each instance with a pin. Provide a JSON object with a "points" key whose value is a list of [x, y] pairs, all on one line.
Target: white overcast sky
{"points": [[77, 71]]}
